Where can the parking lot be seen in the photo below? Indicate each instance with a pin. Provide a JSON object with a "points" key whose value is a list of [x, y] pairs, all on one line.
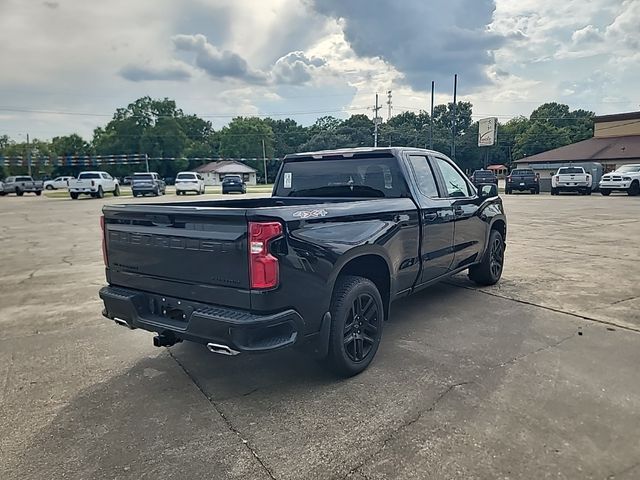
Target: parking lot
{"points": [[536, 377]]}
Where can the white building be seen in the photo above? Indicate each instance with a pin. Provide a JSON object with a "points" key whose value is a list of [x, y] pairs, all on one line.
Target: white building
{"points": [[214, 172]]}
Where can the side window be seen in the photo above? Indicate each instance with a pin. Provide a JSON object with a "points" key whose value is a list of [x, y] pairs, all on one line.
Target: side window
{"points": [[424, 176], [454, 181]]}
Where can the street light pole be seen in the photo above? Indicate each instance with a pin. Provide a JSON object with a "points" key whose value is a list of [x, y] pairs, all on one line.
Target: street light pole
{"points": [[28, 155], [264, 161], [433, 88]]}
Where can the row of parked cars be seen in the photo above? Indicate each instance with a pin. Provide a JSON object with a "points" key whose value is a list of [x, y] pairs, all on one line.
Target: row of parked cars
{"points": [[98, 183], [566, 179]]}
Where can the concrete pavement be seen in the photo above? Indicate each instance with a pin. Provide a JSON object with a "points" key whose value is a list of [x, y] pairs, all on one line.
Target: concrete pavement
{"points": [[492, 383]]}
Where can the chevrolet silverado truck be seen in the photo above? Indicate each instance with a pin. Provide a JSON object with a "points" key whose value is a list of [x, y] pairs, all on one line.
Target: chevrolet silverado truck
{"points": [[571, 179], [316, 266], [624, 179], [522, 179], [95, 184], [21, 185]]}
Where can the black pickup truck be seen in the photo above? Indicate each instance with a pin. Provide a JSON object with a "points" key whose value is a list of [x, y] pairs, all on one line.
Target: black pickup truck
{"points": [[522, 179], [316, 266]]}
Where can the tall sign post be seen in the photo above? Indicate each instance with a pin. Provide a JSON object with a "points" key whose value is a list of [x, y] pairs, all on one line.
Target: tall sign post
{"points": [[487, 134]]}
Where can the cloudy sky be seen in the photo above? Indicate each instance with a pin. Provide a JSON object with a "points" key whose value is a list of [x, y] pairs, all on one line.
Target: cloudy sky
{"points": [[66, 65]]}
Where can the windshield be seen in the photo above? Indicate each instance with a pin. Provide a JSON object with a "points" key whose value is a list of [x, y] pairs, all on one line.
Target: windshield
{"points": [[629, 169], [570, 170], [522, 172], [231, 178], [483, 173], [349, 177], [186, 176], [23, 179], [84, 176], [143, 176]]}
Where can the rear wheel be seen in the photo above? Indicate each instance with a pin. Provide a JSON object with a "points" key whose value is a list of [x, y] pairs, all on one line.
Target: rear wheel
{"points": [[357, 316], [554, 191], [489, 271], [634, 189], [100, 193], [49, 187], [588, 192], [19, 192], [38, 192], [605, 192]]}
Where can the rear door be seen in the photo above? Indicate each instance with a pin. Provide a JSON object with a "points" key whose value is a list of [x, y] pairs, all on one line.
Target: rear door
{"points": [[469, 228], [436, 219], [187, 252]]}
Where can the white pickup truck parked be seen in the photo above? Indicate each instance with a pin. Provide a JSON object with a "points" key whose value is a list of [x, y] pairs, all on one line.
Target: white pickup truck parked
{"points": [[571, 179], [95, 184], [624, 179]]}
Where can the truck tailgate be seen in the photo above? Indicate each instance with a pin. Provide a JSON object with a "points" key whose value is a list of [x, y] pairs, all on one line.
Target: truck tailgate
{"points": [[194, 253]]}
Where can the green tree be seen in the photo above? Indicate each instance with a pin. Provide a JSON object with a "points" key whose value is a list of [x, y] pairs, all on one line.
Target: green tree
{"points": [[289, 136]]}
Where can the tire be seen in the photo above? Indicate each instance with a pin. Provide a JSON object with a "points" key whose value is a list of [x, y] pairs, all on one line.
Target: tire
{"points": [[588, 192], [156, 192], [49, 187], [100, 193], [489, 271], [507, 192], [19, 192], [605, 192], [554, 191], [353, 343], [224, 192], [634, 189], [116, 192], [538, 191], [38, 193], [533, 191], [135, 194], [73, 195]]}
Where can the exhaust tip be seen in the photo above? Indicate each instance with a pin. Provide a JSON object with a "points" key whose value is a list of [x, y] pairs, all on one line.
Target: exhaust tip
{"points": [[222, 349]]}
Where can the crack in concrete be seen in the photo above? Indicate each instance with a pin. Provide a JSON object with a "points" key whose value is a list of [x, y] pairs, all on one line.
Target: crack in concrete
{"points": [[538, 350], [227, 422], [624, 300], [551, 309], [622, 472], [404, 426]]}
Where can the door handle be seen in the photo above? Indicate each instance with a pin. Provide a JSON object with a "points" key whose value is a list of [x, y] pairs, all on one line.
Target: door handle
{"points": [[458, 211], [430, 217]]}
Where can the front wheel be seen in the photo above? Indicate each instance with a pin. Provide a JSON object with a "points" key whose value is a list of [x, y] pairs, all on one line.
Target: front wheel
{"points": [[357, 317], [605, 192], [489, 271], [116, 192], [38, 192], [49, 187], [73, 195], [19, 192], [634, 189]]}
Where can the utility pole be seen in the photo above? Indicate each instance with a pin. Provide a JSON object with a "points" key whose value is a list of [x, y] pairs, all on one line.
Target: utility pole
{"points": [[453, 122], [433, 89], [28, 155], [146, 161], [264, 161], [375, 122], [389, 105]]}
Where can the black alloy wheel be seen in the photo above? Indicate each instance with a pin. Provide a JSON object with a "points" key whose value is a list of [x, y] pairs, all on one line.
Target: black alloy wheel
{"points": [[361, 327]]}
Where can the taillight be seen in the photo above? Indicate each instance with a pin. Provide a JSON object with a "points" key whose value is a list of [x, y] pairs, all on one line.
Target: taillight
{"points": [[535, 179], [263, 267], [93, 184], [104, 241], [509, 178]]}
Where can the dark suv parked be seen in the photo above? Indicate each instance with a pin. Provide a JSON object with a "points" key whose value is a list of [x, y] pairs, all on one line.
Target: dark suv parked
{"points": [[143, 183], [233, 183], [483, 177]]}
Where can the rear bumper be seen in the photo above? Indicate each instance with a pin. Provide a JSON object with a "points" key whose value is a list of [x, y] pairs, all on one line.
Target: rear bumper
{"points": [[521, 186], [234, 188], [577, 187], [187, 187], [145, 189], [241, 330]]}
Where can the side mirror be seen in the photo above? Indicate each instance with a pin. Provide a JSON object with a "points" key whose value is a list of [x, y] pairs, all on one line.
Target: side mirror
{"points": [[488, 191]]}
